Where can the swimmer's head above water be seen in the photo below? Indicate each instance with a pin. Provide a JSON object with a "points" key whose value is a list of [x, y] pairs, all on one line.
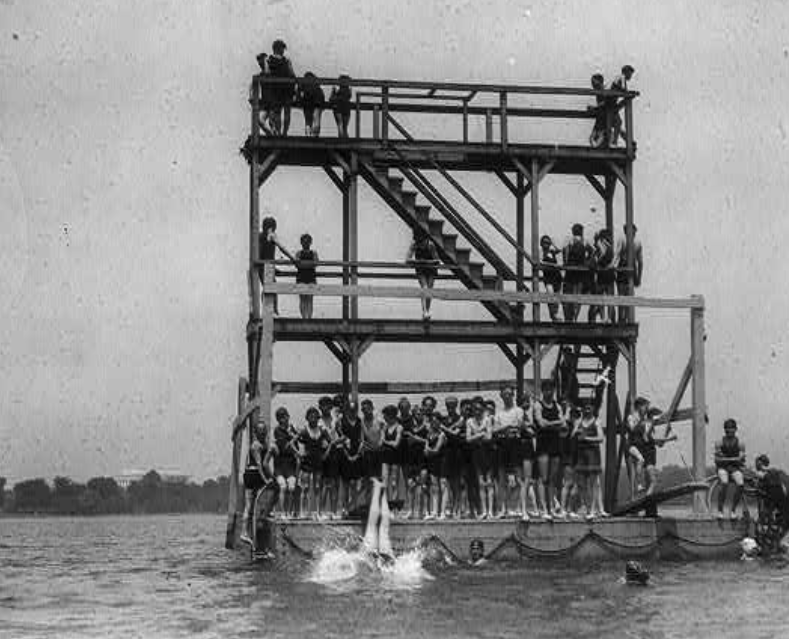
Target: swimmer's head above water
{"points": [[476, 550]]}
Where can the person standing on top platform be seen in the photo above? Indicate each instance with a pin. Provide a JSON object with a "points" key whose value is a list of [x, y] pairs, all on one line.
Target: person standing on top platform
{"points": [[576, 253], [280, 66], [730, 461], [620, 84], [620, 259], [599, 136], [313, 102], [305, 273], [340, 103], [263, 91], [423, 252], [551, 275]]}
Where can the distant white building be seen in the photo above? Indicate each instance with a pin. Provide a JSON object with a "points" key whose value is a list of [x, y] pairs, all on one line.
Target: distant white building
{"points": [[127, 477]]}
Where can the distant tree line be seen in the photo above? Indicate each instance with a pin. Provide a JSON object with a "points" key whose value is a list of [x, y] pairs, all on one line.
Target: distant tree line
{"points": [[103, 496]]}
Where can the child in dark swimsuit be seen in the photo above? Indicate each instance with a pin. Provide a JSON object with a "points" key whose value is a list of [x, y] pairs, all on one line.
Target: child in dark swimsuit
{"points": [[351, 463], [415, 432], [479, 436], [548, 418], [434, 451], [423, 252], [313, 102], [340, 103], [314, 447], [589, 467], [305, 273], [568, 446], [390, 450]]}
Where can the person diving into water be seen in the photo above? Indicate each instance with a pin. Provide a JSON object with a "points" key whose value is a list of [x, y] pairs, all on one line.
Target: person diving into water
{"points": [[376, 540]]}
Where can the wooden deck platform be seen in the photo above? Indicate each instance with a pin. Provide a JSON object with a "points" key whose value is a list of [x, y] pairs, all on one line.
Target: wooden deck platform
{"points": [[620, 538]]}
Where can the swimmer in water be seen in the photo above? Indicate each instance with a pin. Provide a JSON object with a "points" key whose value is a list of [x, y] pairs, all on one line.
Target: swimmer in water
{"points": [[376, 536], [476, 552]]}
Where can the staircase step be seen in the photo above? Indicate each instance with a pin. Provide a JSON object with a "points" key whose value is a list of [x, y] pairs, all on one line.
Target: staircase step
{"points": [[462, 256], [588, 370], [395, 182], [408, 198], [475, 269], [436, 226], [492, 283], [422, 213], [450, 242]]}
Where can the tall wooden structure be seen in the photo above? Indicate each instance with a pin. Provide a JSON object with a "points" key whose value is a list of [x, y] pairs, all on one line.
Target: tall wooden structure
{"points": [[415, 176]]}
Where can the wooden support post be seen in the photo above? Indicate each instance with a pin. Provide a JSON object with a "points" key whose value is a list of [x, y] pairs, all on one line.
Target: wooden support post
{"points": [[346, 271], [465, 121], [535, 235], [632, 379], [610, 186], [488, 126], [385, 113], [629, 234], [353, 256], [612, 434], [503, 120], [376, 123], [358, 116], [699, 403], [536, 360], [235, 499], [266, 366], [520, 237], [631, 151]]}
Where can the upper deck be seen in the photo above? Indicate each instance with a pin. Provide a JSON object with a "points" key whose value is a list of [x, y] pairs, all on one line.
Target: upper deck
{"points": [[473, 127]]}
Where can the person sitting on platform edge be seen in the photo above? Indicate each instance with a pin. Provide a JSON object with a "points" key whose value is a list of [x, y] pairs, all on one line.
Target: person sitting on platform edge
{"points": [[620, 84], [280, 66], [306, 273], [622, 282], [340, 103], [422, 251], [730, 461], [599, 135]]}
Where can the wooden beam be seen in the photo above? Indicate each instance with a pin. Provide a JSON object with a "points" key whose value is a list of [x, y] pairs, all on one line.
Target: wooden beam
{"points": [[397, 388], [699, 401], [526, 173], [267, 167], [596, 184], [512, 357], [623, 348], [341, 162], [235, 504], [680, 392], [337, 351], [618, 172], [520, 237], [545, 170], [335, 178], [680, 415], [265, 374], [512, 297], [535, 241], [366, 343], [507, 182]]}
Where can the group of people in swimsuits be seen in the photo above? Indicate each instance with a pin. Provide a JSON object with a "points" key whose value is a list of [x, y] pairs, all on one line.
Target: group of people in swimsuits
{"points": [[275, 99], [476, 459]]}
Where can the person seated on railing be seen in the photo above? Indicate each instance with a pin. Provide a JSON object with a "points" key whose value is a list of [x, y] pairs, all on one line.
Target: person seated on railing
{"points": [[599, 136], [280, 66], [576, 253], [423, 252], [263, 91], [603, 260], [729, 462], [305, 272], [313, 101], [620, 84], [622, 282], [551, 275], [340, 103]]}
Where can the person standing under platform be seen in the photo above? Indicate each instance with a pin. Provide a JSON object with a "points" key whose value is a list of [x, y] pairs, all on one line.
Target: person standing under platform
{"points": [[454, 428], [285, 451], [391, 455], [423, 253], [507, 426], [258, 475], [372, 429], [479, 437], [306, 259], [340, 103], [351, 470], [280, 66], [577, 253], [622, 282], [729, 462], [551, 275]]}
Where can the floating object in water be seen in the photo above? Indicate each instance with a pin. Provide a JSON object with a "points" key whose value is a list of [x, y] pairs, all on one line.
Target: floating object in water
{"points": [[635, 573], [750, 548]]}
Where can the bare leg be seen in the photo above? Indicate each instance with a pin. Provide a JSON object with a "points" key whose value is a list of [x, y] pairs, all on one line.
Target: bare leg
{"points": [[371, 537]]}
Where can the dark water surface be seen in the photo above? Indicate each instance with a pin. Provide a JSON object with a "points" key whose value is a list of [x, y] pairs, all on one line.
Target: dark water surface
{"points": [[169, 576]]}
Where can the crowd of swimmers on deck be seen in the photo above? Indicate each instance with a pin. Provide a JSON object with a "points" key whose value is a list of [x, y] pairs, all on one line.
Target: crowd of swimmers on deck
{"points": [[598, 268], [476, 458]]}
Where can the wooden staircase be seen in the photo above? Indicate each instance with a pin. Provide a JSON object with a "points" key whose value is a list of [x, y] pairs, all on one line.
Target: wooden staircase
{"points": [[418, 217]]}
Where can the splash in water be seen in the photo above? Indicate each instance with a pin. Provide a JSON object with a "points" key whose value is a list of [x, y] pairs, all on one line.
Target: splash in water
{"points": [[338, 565]]}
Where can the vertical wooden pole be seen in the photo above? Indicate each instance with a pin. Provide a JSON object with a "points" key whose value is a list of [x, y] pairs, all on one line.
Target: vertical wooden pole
{"points": [[610, 185], [235, 501], [465, 120], [503, 120], [536, 360], [385, 113], [699, 403], [629, 128], [632, 379], [353, 256], [519, 270], [488, 126], [266, 369], [376, 123], [535, 235], [358, 116], [611, 435], [631, 312], [346, 272]]}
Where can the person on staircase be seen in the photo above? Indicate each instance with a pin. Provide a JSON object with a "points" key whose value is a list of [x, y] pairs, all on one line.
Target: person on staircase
{"points": [[422, 252]]}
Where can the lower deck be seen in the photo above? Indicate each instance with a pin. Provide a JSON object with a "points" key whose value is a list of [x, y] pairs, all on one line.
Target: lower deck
{"points": [[676, 538]]}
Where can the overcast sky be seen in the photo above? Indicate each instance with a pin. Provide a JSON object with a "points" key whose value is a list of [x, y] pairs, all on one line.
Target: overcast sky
{"points": [[124, 203]]}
